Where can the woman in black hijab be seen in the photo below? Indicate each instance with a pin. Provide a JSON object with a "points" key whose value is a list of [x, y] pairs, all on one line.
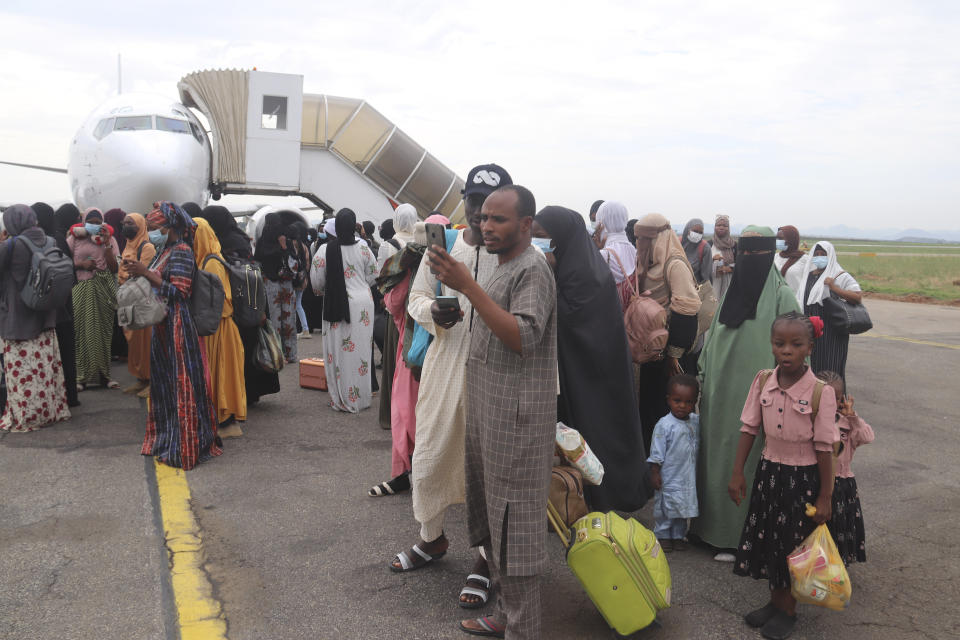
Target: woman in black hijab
{"points": [[597, 394], [234, 243], [275, 251], [235, 246], [46, 220], [344, 269], [65, 217]]}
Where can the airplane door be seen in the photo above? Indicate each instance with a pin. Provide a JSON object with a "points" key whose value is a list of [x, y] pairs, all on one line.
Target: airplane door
{"points": [[274, 120]]}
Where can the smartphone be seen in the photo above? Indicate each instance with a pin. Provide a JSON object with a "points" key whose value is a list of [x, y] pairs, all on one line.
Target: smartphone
{"points": [[448, 302], [436, 237]]}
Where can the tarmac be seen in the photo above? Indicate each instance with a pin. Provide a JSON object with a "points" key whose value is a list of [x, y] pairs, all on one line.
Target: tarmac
{"points": [[294, 548]]}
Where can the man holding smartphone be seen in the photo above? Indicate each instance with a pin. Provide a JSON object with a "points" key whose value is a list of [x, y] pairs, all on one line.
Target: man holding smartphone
{"points": [[511, 408], [437, 478]]}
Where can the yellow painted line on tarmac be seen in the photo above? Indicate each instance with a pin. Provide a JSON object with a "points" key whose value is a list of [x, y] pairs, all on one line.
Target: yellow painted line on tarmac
{"points": [[928, 343], [199, 613]]}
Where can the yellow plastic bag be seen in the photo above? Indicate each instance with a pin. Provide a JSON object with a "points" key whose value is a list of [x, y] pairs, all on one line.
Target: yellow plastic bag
{"points": [[817, 573]]}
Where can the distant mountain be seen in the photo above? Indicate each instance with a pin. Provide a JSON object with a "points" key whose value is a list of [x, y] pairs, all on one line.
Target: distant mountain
{"points": [[855, 233]]}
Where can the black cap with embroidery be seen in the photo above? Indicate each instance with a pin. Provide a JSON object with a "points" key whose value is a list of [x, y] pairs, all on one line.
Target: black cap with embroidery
{"points": [[486, 179]]}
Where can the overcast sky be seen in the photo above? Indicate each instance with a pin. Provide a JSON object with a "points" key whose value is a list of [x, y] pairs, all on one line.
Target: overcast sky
{"points": [[811, 113]]}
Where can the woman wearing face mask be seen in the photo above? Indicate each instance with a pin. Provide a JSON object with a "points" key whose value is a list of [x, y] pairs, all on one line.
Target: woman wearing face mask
{"points": [[823, 277], [618, 252], [724, 255], [591, 338], [790, 261], [181, 423], [95, 253], [737, 346], [138, 249], [695, 247]]}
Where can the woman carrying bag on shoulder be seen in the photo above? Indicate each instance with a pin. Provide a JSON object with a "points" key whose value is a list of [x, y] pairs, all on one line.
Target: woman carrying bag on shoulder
{"points": [[824, 278]]}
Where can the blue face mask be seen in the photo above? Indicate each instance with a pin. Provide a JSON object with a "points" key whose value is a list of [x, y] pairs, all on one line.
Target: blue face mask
{"points": [[92, 229], [781, 245], [158, 237], [819, 262], [322, 236], [542, 243]]}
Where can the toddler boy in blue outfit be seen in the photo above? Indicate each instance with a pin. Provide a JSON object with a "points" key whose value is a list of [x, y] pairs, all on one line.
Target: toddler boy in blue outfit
{"points": [[673, 463]]}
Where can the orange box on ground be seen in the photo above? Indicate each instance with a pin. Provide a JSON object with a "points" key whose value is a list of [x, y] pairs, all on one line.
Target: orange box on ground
{"points": [[313, 375]]}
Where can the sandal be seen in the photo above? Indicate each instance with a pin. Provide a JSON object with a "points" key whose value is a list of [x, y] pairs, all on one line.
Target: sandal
{"points": [[113, 384], [390, 487], [486, 627], [481, 592], [410, 562]]}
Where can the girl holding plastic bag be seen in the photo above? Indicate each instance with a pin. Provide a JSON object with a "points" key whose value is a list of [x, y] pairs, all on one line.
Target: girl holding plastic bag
{"points": [[796, 468]]}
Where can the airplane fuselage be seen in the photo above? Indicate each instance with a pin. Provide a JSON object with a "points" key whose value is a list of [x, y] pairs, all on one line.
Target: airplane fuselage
{"points": [[136, 149]]}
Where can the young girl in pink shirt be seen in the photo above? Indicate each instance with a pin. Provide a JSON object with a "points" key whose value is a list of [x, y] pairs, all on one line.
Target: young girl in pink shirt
{"points": [[796, 468], [846, 524]]}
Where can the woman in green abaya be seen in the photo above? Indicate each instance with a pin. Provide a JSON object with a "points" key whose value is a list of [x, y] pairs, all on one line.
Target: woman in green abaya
{"points": [[737, 346]]}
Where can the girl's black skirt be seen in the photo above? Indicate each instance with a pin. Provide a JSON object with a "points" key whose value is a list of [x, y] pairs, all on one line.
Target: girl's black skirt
{"points": [[776, 523], [846, 524]]}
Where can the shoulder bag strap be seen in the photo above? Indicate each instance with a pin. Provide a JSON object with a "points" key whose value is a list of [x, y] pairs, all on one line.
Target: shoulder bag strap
{"points": [[636, 285]]}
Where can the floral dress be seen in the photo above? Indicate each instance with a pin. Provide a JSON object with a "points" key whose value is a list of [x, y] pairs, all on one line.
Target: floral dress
{"points": [[348, 346]]}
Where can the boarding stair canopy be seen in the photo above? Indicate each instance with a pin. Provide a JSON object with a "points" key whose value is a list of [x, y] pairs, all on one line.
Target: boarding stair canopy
{"points": [[347, 150]]}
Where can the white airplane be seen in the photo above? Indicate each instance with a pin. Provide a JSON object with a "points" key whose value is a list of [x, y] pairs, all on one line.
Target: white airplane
{"points": [[136, 149]]}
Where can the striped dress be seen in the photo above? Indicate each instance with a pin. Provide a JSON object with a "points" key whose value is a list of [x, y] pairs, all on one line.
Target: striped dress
{"points": [[830, 349], [181, 425]]}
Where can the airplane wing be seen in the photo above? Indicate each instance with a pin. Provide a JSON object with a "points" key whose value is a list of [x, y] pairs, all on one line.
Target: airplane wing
{"points": [[34, 166]]}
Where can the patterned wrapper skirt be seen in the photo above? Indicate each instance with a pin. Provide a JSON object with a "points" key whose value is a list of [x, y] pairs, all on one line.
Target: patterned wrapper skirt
{"points": [[35, 393], [846, 524], [776, 523], [281, 302], [94, 308]]}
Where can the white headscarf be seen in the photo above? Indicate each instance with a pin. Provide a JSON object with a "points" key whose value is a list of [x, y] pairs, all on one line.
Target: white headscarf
{"points": [[819, 291], [613, 216], [404, 219], [330, 227]]}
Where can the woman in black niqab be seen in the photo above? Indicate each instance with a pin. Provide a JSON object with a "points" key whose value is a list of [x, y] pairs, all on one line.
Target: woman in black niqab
{"points": [[597, 394], [754, 259]]}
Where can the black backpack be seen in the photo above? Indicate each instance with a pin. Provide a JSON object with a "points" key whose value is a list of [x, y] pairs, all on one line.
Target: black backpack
{"points": [[247, 289], [50, 279], [206, 301]]}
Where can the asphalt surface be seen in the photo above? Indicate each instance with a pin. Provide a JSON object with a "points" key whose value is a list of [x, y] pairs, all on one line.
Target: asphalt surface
{"points": [[296, 549]]}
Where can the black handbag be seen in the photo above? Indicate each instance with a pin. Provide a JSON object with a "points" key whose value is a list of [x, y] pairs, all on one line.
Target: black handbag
{"points": [[845, 317]]}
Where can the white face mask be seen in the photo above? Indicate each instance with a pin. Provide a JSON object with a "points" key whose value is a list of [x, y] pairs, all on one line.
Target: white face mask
{"points": [[694, 237]]}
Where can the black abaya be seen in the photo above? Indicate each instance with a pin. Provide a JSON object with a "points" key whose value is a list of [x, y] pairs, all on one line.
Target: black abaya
{"points": [[597, 393]]}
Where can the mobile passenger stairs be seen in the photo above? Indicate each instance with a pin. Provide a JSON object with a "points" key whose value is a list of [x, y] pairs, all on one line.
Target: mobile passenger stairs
{"points": [[269, 138]]}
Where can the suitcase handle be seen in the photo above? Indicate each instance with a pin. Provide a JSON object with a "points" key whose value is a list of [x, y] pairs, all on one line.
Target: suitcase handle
{"points": [[557, 522]]}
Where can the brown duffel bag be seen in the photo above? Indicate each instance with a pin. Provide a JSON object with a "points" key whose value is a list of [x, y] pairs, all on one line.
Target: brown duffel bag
{"points": [[566, 494]]}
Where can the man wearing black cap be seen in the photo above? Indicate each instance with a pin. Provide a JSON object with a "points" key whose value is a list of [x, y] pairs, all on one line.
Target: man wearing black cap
{"points": [[437, 479]]}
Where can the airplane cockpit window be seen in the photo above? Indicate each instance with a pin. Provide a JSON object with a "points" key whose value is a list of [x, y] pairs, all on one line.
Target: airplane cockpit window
{"points": [[197, 133], [104, 127], [133, 123], [172, 124], [274, 113]]}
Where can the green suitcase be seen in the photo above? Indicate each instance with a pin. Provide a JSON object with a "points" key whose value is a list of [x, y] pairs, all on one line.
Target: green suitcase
{"points": [[622, 568]]}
